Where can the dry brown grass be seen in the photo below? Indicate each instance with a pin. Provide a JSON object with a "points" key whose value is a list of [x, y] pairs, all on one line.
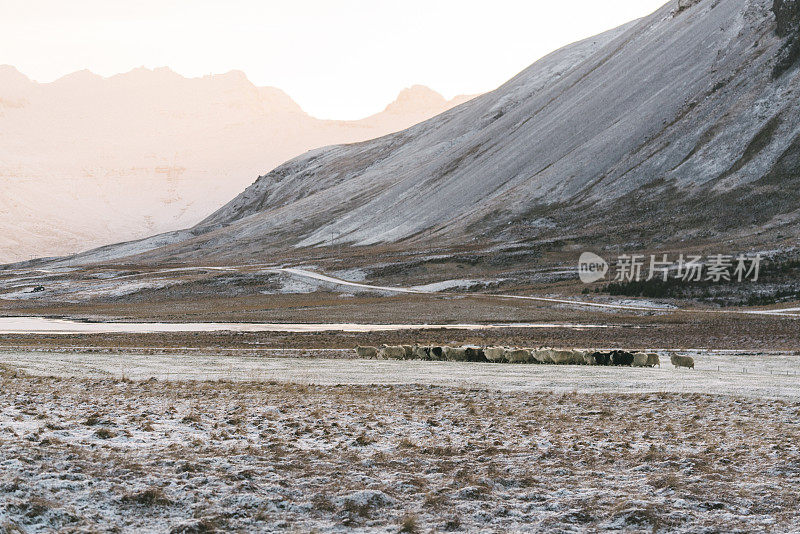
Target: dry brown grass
{"points": [[288, 453], [147, 497]]}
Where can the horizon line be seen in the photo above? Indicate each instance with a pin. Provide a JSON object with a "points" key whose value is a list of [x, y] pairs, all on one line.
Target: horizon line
{"points": [[243, 75]]}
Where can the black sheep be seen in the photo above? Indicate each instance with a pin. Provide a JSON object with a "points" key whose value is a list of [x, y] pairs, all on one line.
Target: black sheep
{"points": [[602, 358], [475, 355], [621, 357], [437, 353]]}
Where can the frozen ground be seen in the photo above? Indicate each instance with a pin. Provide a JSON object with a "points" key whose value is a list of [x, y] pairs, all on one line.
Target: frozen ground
{"points": [[762, 375], [185, 456]]}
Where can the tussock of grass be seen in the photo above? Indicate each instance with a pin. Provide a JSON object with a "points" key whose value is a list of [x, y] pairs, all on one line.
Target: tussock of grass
{"points": [[409, 524], [148, 497], [104, 433]]}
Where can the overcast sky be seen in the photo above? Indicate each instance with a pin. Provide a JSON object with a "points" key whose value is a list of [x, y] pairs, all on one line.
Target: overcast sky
{"points": [[342, 59]]}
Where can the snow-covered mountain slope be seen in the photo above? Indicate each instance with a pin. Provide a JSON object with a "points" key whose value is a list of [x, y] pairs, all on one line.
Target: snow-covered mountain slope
{"points": [[86, 160], [676, 126]]}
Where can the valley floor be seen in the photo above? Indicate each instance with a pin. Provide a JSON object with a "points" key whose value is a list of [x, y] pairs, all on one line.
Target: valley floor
{"points": [[447, 287], [177, 455], [200, 431]]}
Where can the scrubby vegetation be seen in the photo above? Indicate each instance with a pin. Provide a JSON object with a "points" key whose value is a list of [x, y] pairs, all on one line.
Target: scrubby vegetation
{"points": [[210, 456], [779, 281]]}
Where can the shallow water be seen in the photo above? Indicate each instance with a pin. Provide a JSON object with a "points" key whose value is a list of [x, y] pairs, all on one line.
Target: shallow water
{"points": [[46, 325]]}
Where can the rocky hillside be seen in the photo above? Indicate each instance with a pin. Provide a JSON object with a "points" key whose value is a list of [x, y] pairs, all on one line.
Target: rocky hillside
{"points": [[680, 127]]}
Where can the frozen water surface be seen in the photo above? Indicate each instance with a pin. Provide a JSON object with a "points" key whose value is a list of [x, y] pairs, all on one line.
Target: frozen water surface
{"points": [[38, 325]]}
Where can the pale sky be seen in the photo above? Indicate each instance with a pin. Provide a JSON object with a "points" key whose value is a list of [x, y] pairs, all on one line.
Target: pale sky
{"points": [[340, 59]]}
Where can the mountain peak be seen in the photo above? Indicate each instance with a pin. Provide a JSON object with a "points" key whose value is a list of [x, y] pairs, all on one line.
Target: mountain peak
{"points": [[417, 98], [7, 71], [78, 77], [145, 74], [10, 77], [419, 92], [234, 75], [15, 87]]}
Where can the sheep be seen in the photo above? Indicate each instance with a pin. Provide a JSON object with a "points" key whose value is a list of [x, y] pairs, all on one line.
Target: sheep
{"points": [[438, 353], [543, 355], [367, 352], [474, 354], [533, 357], [518, 355], [601, 358], [561, 356], [494, 354], [393, 352], [682, 361], [536, 355], [578, 357], [639, 359], [621, 357], [456, 354]]}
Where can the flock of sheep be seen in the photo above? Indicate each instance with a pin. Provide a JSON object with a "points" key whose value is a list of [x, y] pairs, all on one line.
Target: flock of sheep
{"points": [[520, 355]]}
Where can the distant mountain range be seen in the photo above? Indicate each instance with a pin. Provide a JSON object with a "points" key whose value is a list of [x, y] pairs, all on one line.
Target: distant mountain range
{"points": [[87, 160], [678, 129]]}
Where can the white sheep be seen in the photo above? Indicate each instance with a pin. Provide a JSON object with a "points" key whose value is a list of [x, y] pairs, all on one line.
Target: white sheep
{"points": [[518, 355], [639, 359], [393, 352], [367, 352], [682, 361], [494, 354]]}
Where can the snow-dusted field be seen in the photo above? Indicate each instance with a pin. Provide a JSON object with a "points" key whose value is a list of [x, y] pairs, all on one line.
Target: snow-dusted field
{"points": [[187, 456], [762, 375]]}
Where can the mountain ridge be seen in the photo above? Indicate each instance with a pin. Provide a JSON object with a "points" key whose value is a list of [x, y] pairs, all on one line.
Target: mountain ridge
{"points": [[87, 160], [415, 96]]}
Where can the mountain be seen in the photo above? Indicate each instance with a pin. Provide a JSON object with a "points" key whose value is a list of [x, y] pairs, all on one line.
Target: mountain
{"points": [[679, 128], [419, 102], [87, 160]]}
